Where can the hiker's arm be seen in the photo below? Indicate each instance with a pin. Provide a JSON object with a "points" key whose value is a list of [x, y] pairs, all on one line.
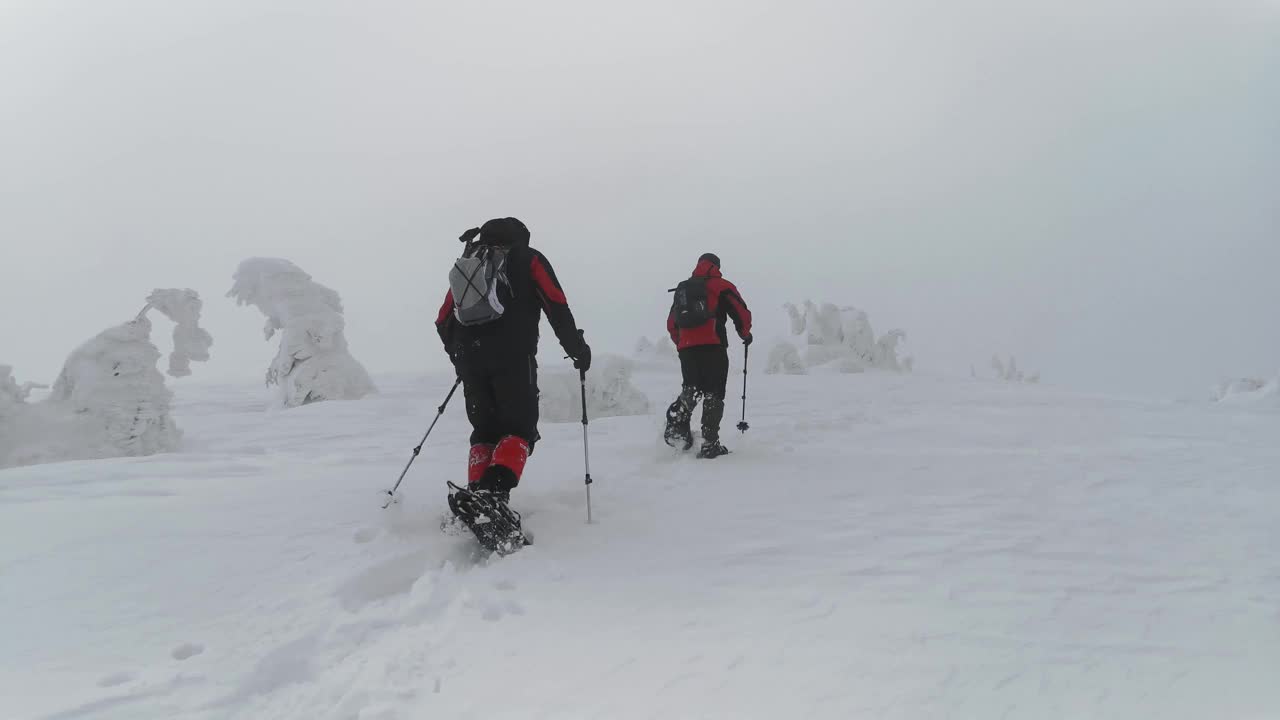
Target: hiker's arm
{"points": [[737, 309], [556, 306], [444, 321], [672, 329]]}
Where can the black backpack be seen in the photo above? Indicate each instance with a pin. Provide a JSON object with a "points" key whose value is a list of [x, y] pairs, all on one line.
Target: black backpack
{"points": [[690, 306]]}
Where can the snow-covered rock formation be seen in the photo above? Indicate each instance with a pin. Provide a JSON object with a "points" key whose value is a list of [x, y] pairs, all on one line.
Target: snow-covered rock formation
{"points": [[313, 362]]}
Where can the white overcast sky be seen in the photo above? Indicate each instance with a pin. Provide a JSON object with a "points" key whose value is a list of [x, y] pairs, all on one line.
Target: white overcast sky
{"points": [[1093, 186]]}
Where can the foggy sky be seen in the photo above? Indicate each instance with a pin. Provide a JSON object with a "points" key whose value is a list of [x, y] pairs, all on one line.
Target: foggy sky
{"points": [[1091, 186]]}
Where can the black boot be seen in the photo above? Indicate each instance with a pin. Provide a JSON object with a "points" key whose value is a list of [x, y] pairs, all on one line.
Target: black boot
{"points": [[679, 414], [712, 414], [712, 450]]}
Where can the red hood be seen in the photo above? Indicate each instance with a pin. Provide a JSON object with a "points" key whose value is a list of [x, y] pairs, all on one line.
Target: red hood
{"points": [[706, 268]]}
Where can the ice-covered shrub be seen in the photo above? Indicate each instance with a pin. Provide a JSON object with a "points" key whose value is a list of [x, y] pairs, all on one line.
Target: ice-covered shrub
{"points": [[313, 362], [610, 392]]}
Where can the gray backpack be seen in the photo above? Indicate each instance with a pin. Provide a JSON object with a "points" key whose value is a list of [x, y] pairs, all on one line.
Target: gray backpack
{"points": [[475, 280]]}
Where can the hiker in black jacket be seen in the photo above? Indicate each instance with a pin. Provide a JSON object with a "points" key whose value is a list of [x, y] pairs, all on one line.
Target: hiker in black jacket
{"points": [[489, 326]]}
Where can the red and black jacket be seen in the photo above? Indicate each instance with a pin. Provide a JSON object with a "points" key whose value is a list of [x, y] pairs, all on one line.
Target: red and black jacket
{"points": [[534, 290], [724, 302]]}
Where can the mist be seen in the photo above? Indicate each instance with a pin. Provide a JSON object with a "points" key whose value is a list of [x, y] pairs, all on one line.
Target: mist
{"points": [[1089, 186]]}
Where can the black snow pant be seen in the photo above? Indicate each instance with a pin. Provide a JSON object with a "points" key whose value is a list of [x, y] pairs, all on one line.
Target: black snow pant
{"points": [[502, 396], [705, 370]]}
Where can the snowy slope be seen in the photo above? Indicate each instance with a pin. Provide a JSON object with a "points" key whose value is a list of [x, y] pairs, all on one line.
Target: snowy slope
{"points": [[877, 546]]}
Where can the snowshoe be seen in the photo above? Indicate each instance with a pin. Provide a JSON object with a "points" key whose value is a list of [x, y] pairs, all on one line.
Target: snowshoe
{"points": [[678, 432], [495, 525], [678, 437], [712, 450]]}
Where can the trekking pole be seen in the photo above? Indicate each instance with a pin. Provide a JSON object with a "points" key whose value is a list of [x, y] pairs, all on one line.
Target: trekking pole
{"points": [[586, 453], [746, 353], [391, 494]]}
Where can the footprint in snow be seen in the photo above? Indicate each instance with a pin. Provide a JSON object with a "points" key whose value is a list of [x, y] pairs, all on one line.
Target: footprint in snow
{"points": [[187, 650], [364, 535]]}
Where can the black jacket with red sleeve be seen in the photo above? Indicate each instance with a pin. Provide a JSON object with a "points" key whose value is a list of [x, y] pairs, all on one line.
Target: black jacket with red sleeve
{"points": [[534, 290], [724, 302]]}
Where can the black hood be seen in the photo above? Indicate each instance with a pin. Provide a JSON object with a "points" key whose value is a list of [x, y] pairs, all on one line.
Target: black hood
{"points": [[508, 232]]}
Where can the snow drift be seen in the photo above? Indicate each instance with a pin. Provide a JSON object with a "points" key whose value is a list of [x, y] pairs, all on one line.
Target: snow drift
{"points": [[109, 400], [313, 362], [610, 392]]}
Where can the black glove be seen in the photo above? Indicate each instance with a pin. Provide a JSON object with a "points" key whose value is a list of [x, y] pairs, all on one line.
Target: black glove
{"points": [[748, 340], [582, 358]]}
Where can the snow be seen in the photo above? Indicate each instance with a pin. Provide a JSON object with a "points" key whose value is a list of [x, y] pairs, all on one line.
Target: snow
{"points": [[878, 545], [313, 362]]}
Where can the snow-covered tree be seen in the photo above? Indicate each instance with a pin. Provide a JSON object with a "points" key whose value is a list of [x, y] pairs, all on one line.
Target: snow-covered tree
{"points": [[1244, 390], [113, 379], [1008, 371], [109, 399], [660, 355], [190, 341], [313, 362], [785, 359], [11, 393], [610, 392], [16, 419], [843, 338], [797, 318], [857, 335]]}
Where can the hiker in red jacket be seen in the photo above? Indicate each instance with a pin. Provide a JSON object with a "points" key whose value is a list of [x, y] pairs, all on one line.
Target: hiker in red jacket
{"points": [[697, 325]]}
